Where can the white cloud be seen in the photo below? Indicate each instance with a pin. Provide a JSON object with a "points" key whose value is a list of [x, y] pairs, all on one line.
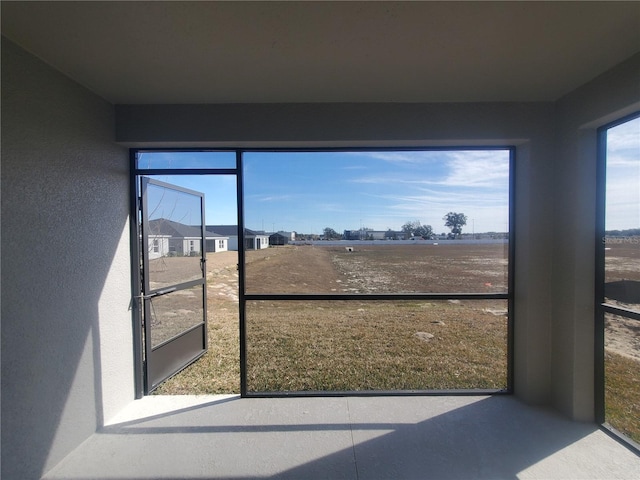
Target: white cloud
{"points": [[624, 137], [472, 169], [488, 212], [477, 169], [274, 198], [399, 157]]}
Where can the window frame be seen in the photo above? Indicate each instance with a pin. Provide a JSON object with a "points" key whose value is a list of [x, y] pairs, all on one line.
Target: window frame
{"points": [[601, 307], [508, 296]]}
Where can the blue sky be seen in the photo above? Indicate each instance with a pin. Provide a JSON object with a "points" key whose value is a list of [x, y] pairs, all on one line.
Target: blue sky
{"points": [[623, 176], [220, 198], [308, 191]]}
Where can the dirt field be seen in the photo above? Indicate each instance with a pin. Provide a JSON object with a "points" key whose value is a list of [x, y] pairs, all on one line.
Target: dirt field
{"points": [[622, 287], [379, 269], [622, 260], [167, 271]]}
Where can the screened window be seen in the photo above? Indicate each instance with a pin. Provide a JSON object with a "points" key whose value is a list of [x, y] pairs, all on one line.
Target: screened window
{"points": [[398, 278], [356, 270], [618, 315]]}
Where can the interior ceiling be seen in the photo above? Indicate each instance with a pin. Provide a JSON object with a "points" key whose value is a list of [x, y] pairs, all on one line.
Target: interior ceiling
{"points": [[245, 52]]}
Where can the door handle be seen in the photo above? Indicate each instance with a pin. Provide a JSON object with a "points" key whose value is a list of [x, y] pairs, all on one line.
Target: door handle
{"points": [[158, 293]]}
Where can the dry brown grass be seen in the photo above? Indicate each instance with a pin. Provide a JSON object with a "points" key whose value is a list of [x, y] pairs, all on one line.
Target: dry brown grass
{"points": [[356, 346], [348, 345], [622, 394], [218, 371]]}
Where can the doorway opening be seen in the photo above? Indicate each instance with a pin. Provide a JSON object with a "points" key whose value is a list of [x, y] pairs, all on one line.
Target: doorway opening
{"points": [[187, 275]]}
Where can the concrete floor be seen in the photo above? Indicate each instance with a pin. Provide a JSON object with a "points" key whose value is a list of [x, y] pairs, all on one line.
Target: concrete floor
{"points": [[213, 437]]}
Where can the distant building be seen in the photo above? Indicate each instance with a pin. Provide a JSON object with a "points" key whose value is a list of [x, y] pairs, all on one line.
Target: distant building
{"points": [[167, 238], [368, 234], [253, 240], [360, 234], [394, 235], [282, 238]]}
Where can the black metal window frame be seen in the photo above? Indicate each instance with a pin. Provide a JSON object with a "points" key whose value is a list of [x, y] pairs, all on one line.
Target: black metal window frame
{"points": [[601, 306], [244, 297]]}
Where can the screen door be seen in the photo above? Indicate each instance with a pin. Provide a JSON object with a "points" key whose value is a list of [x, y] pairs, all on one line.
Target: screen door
{"points": [[173, 278]]}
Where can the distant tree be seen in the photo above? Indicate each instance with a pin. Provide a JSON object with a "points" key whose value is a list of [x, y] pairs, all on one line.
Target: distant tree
{"points": [[424, 231], [455, 221], [409, 228], [416, 229], [630, 232], [330, 234]]}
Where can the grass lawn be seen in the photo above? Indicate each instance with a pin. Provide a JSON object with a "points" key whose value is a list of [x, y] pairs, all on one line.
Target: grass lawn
{"points": [[358, 346], [353, 345]]}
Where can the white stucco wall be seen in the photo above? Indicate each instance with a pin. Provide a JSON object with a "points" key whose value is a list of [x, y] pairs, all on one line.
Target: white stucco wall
{"points": [[66, 325]]}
